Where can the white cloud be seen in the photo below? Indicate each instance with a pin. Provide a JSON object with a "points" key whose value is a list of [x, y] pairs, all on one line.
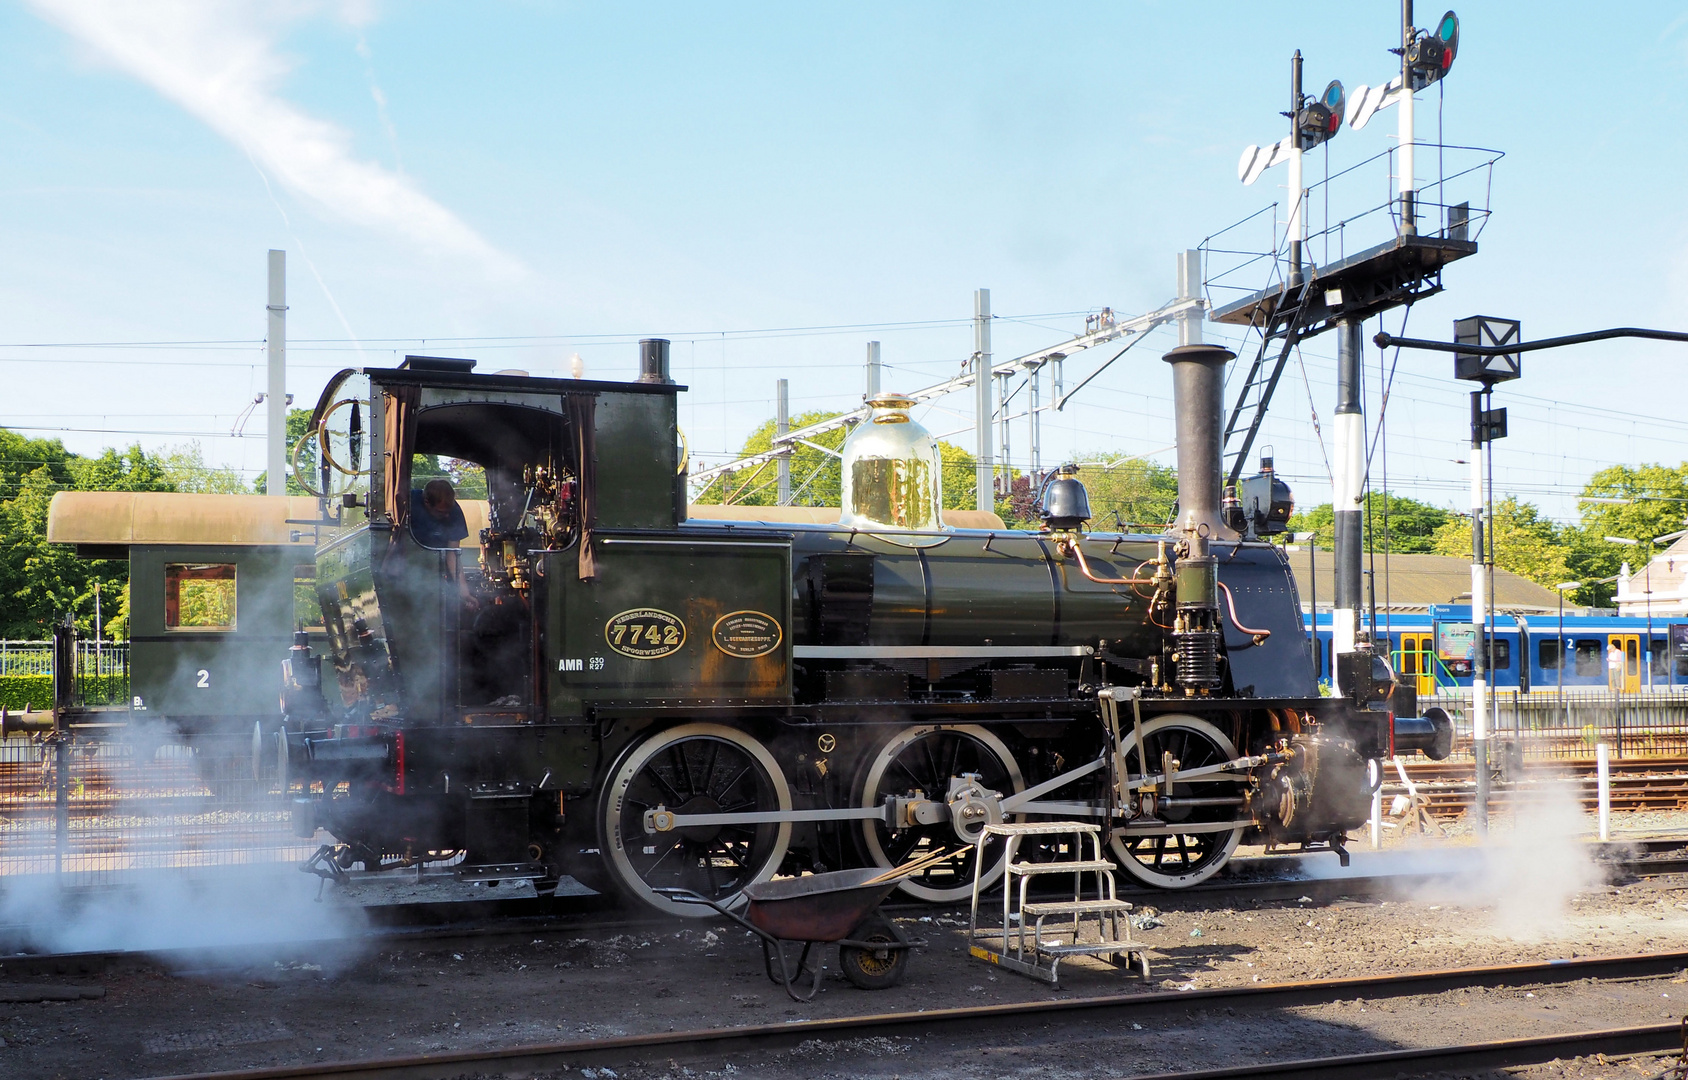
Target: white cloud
{"points": [[219, 62]]}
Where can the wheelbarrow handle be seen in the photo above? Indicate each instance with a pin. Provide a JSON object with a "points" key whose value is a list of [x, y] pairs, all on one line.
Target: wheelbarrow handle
{"points": [[687, 896]]}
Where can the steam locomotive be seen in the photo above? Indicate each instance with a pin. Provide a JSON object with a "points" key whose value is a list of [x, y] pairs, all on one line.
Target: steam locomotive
{"points": [[640, 701]]}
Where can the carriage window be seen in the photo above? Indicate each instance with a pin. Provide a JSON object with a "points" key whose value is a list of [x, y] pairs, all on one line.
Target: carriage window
{"points": [[199, 596], [1659, 657], [1502, 654], [1590, 657], [307, 611], [1547, 654]]}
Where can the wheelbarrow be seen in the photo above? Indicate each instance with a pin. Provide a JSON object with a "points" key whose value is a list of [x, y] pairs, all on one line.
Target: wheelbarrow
{"points": [[839, 907]]}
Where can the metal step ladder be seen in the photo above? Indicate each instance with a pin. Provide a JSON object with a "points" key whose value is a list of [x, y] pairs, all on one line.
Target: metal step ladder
{"points": [[1283, 330], [1037, 949]]}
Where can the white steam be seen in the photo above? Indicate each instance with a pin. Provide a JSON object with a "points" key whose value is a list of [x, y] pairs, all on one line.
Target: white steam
{"points": [[1525, 873], [159, 910], [219, 62]]}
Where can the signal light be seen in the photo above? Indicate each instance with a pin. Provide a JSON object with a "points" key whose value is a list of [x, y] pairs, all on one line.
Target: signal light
{"points": [[1319, 121], [1431, 56]]}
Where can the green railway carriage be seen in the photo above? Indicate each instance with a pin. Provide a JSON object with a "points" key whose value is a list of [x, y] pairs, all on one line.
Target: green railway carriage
{"points": [[218, 586]]}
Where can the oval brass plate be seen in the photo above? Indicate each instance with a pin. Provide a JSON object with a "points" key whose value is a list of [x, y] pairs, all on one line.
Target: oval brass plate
{"points": [[748, 634], [645, 633]]}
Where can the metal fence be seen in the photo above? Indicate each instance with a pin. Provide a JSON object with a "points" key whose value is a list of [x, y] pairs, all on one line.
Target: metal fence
{"points": [[1548, 724], [95, 811]]}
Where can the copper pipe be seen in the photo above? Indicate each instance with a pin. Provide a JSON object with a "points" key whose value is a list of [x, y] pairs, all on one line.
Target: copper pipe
{"points": [[1084, 568], [1231, 605]]}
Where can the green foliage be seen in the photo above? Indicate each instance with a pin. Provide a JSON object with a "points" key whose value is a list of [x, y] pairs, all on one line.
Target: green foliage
{"points": [[815, 476], [1659, 506], [205, 603], [1411, 527], [20, 692], [298, 421], [39, 581], [467, 478], [184, 469], [1128, 491], [1525, 542]]}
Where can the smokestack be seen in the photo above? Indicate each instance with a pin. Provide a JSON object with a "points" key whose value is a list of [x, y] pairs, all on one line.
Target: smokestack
{"points": [[1198, 398], [653, 360]]}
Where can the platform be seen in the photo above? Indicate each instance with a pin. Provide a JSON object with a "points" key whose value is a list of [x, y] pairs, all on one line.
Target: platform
{"points": [[1403, 270]]}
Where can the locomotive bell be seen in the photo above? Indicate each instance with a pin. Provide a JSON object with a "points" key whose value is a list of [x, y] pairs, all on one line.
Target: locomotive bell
{"points": [[1066, 505], [892, 474]]}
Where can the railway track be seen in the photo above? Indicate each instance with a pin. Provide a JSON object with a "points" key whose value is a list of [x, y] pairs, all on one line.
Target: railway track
{"points": [[467, 924], [1637, 784], [1048, 1021]]}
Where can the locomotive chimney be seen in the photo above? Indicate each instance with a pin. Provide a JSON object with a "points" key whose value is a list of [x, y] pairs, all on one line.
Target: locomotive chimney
{"points": [[1198, 400], [653, 360]]}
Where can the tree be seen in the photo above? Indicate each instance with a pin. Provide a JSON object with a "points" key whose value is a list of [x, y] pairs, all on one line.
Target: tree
{"points": [[185, 469], [1656, 504], [298, 422], [1127, 492], [815, 476], [1525, 542], [1410, 527]]}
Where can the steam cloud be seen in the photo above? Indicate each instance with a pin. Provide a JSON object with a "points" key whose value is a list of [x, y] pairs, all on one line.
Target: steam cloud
{"points": [[1526, 875], [219, 62]]}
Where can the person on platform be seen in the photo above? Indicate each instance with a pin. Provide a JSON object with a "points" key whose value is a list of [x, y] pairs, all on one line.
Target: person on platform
{"points": [[1615, 668]]}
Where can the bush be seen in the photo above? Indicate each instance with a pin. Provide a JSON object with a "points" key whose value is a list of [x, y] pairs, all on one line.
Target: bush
{"points": [[20, 692]]}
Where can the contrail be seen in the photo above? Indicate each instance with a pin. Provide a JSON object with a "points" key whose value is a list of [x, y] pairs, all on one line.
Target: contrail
{"points": [[218, 61]]}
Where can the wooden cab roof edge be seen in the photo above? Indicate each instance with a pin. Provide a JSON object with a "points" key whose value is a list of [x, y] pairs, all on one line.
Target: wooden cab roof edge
{"points": [[121, 518]]}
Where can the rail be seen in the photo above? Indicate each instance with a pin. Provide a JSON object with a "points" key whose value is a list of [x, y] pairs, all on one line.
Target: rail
{"points": [[1071, 1017]]}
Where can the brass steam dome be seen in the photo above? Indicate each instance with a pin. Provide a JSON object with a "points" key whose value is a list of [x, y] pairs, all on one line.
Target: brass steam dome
{"points": [[892, 473]]}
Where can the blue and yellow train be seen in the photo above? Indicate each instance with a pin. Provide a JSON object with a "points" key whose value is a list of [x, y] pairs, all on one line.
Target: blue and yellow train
{"points": [[1532, 652]]}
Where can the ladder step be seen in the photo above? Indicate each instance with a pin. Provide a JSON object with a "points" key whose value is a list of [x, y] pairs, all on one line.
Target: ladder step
{"points": [[1027, 869], [1101, 948], [1041, 828], [1075, 907]]}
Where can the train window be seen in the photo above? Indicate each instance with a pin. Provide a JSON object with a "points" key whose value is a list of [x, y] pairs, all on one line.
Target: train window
{"points": [[1590, 657], [199, 596], [1547, 654], [1502, 655], [307, 611], [1658, 657]]}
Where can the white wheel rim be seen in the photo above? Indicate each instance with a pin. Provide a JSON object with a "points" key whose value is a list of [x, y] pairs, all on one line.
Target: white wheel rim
{"points": [[1228, 842], [634, 762], [871, 796]]}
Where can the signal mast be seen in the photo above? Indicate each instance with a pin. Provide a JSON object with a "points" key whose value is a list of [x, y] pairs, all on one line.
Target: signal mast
{"points": [[1341, 295]]}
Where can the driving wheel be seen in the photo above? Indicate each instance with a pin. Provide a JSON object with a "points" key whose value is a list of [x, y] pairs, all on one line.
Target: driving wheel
{"points": [[693, 769], [1190, 843]]}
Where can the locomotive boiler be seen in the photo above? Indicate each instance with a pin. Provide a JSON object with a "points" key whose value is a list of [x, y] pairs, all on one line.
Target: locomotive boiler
{"points": [[638, 697]]}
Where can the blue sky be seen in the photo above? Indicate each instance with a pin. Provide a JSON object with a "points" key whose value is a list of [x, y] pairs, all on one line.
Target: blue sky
{"points": [[519, 182]]}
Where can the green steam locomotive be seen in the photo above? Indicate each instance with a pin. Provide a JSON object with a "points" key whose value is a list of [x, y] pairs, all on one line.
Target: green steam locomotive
{"points": [[641, 698]]}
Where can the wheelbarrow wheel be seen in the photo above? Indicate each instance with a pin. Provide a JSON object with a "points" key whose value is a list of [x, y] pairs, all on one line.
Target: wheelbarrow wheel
{"points": [[873, 969]]}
